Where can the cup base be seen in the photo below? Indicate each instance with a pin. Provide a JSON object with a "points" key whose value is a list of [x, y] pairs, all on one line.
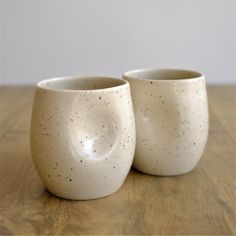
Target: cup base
{"points": [[164, 173], [78, 198]]}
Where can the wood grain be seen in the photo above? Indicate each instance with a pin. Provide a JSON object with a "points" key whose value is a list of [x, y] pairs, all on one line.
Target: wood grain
{"points": [[202, 202]]}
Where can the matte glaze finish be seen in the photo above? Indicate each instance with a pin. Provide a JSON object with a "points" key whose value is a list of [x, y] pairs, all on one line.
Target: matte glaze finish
{"points": [[171, 115], [83, 135]]}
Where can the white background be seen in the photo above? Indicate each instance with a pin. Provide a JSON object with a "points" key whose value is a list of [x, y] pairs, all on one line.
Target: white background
{"points": [[48, 38]]}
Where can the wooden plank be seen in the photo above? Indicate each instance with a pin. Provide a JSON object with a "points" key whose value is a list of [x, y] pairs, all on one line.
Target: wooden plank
{"points": [[15, 110], [222, 101], [202, 202]]}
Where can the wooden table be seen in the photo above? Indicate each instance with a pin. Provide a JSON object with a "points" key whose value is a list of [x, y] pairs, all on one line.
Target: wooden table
{"points": [[201, 202]]}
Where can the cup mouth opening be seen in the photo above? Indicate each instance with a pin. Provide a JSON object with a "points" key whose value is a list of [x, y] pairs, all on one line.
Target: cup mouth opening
{"points": [[81, 83], [163, 75]]}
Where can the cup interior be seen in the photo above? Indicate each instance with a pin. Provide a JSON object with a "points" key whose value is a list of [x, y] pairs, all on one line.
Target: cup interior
{"points": [[81, 83], [162, 74]]}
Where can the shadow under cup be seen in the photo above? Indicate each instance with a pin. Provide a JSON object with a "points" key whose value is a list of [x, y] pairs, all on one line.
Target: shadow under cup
{"points": [[82, 135], [171, 115]]}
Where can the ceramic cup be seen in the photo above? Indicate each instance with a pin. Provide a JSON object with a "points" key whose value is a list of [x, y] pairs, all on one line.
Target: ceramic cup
{"points": [[82, 135], [171, 114]]}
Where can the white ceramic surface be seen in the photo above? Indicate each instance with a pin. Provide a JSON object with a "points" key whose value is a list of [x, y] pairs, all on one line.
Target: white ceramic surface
{"points": [[171, 114], [82, 135]]}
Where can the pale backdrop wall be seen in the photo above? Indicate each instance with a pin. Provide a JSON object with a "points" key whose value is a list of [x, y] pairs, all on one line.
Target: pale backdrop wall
{"points": [[47, 38]]}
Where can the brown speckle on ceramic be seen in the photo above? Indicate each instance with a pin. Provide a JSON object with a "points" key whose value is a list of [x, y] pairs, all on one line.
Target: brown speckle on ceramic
{"points": [[88, 133]]}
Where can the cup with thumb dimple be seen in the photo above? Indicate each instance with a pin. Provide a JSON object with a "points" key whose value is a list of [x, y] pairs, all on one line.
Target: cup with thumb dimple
{"points": [[171, 114], [82, 135]]}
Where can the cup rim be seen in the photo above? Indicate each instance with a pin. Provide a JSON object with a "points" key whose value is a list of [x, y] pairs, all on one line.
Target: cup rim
{"points": [[130, 74], [40, 84]]}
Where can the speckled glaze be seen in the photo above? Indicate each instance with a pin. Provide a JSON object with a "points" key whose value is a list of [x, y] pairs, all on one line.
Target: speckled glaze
{"points": [[171, 114], [82, 135]]}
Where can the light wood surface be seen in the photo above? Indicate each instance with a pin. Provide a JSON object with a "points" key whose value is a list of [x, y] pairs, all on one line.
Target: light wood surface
{"points": [[202, 202]]}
